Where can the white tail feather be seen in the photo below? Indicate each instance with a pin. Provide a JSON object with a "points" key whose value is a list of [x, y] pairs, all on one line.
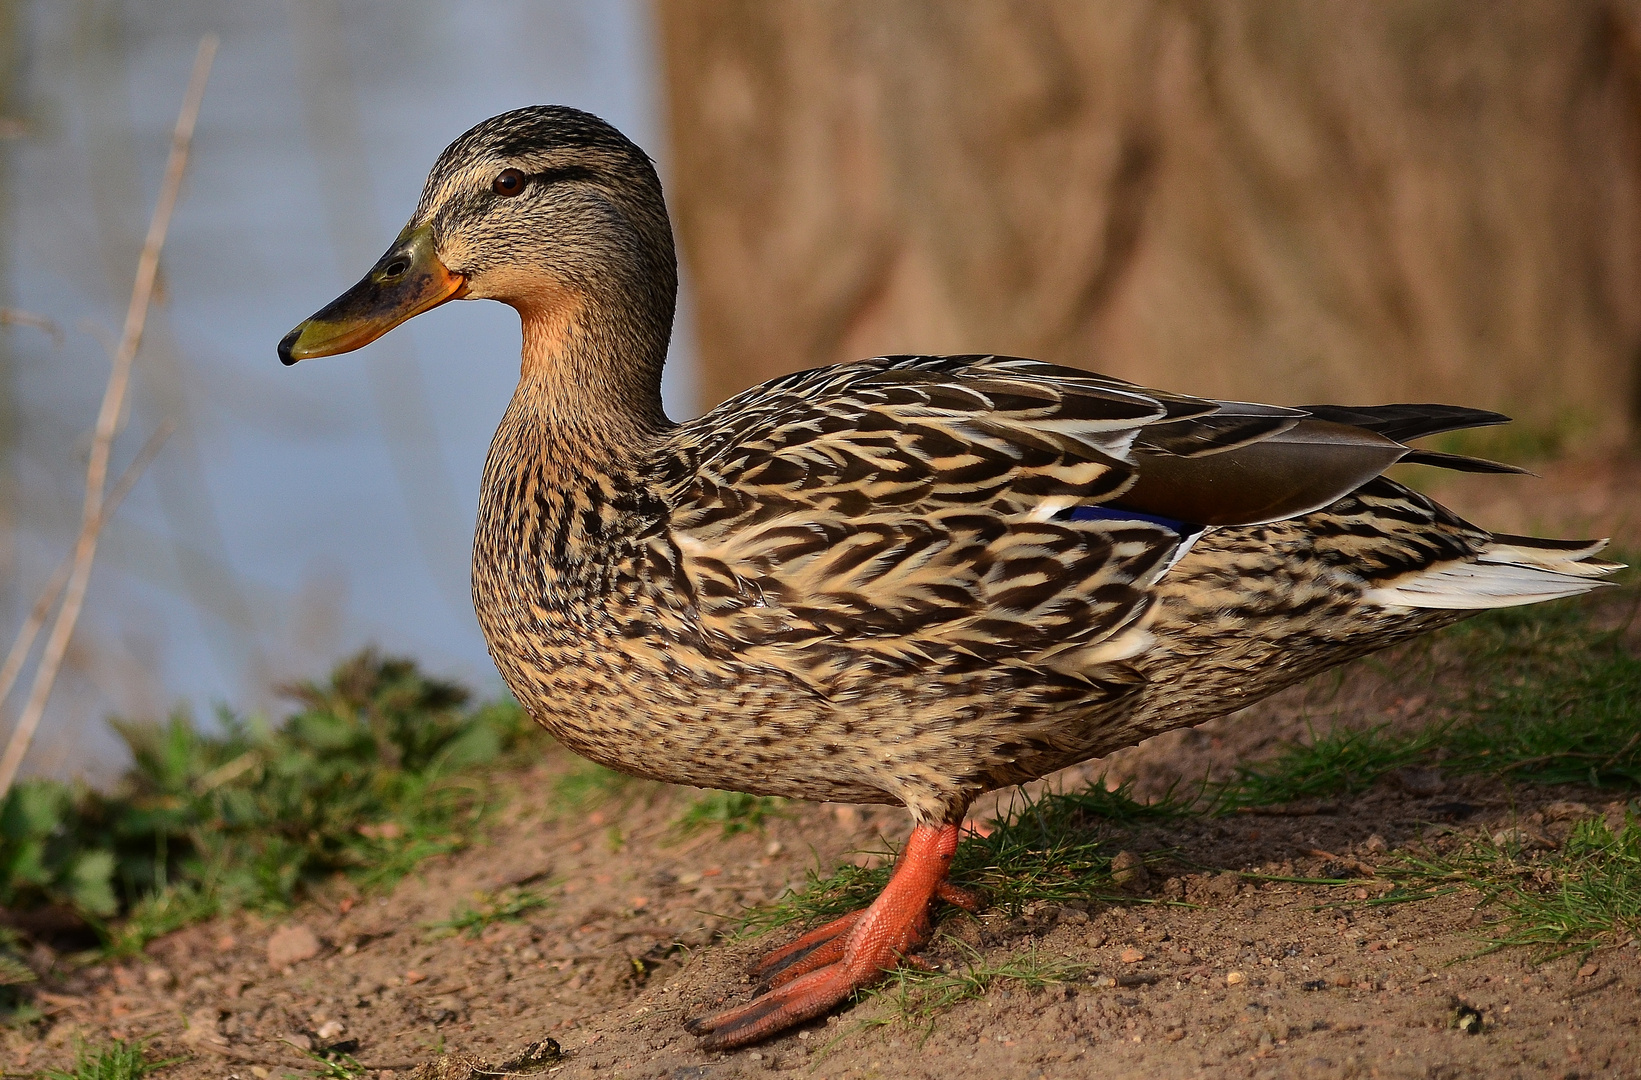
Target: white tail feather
{"points": [[1502, 575]]}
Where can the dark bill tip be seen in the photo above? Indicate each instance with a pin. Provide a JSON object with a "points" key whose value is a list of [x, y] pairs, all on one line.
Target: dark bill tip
{"points": [[286, 343]]}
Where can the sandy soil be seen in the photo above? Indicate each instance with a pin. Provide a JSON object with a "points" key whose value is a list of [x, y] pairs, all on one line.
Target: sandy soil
{"points": [[1247, 978], [1257, 979]]}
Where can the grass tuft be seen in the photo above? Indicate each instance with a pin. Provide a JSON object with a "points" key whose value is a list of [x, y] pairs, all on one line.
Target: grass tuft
{"points": [[914, 996], [1577, 899], [1551, 698], [732, 811], [117, 1060], [504, 905], [586, 784], [1556, 699], [1338, 763], [1042, 848]]}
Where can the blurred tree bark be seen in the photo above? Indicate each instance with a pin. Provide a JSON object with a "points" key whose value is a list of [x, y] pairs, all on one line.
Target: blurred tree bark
{"points": [[1278, 200]]}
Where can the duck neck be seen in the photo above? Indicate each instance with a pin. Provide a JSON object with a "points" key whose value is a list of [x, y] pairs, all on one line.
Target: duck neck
{"points": [[563, 482], [592, 380]]}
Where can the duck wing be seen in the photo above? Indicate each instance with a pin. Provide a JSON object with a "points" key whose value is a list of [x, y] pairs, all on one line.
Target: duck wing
{"points": [[975, 509]]}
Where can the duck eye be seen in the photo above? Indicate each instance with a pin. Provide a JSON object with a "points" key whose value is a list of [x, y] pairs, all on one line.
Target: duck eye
{"points": [[508, 182]]}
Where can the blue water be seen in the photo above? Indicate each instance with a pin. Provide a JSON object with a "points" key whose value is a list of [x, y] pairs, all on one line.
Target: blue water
{"points": [[298, 513]]}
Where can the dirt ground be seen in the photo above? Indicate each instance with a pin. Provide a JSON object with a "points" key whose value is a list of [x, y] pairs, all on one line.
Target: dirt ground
{"points": [[1248, 978]]}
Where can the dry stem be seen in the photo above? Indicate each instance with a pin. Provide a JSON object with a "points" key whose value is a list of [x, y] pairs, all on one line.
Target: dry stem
{"points": [[19, 317], [54, 588], [92, 515]]}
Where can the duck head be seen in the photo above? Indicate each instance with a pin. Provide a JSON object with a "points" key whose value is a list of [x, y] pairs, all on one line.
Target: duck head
{"points": [[547, 209]]}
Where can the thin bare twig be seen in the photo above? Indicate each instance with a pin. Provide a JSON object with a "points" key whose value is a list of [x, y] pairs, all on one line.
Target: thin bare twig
{"points": [[19, 317], [119, 378], [54, 588]]}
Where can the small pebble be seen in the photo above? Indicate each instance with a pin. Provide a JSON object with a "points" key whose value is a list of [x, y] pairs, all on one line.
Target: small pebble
{"points": [[1235, 978], [1567, 811], [291, 945], [1129, 872], [414, 977], [1522, 839], [1132, 955]]}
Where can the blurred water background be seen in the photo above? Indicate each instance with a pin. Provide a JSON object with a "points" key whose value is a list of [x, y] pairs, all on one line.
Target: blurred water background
{"points": [[296, 514]]}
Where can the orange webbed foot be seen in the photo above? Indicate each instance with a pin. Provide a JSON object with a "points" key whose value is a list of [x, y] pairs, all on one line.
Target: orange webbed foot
{"points": [[808, 977]]}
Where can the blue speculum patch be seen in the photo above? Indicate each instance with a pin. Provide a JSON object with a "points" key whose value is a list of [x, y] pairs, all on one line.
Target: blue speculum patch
{"points": [[1117, 513]]}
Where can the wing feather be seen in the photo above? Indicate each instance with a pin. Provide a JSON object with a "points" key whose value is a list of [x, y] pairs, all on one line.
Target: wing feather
{"points": [[918, 509]]}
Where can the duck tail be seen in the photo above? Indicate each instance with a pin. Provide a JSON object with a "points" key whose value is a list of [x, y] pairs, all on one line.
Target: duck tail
{"points": [[1507, 572]]}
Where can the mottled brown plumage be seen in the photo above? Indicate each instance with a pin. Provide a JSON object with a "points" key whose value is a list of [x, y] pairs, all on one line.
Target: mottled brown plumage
{"points": [[910, 579]]}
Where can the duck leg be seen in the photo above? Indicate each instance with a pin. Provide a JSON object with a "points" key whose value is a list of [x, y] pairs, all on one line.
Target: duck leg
{"points": [[821, 968]]}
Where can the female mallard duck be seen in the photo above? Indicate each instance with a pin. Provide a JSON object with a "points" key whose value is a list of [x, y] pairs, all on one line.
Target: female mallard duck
{"points": [[910, 579]]}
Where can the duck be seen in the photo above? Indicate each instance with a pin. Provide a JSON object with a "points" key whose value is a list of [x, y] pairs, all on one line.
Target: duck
{"points": [[907, 579]]}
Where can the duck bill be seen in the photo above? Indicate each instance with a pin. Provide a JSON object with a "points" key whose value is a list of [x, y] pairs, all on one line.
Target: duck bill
{"points": [[405, 282]]}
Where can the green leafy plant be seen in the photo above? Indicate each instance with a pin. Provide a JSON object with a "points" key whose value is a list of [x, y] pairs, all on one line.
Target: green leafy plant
{"points": [[378, 768]]}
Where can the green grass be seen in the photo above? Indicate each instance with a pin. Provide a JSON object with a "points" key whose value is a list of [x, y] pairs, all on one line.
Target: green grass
{"points": [[377, 769], [915, 997], [116, 1060], [1047, 848], [1339, 762], [1550, 698], [335, 1066], [504, 905], [586, 784], [731, 811], [1579, 898]]}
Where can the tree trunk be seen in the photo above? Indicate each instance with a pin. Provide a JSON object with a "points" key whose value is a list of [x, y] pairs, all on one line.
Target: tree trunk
{"points": [[1278, 200]]}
